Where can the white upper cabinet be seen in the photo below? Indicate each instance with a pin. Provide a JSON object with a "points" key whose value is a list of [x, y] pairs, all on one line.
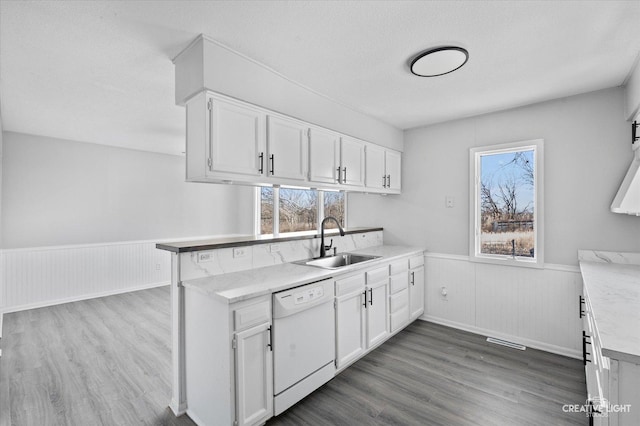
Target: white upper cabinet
{"points": [[376, 176], [236, 137], [232, 141], [324, 155], [383, 169], [351, 161], [286, 148], [393, 166]]}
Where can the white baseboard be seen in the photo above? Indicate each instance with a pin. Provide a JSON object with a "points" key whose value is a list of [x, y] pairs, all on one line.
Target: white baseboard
{"points": [[79, 298], [490, 333]]}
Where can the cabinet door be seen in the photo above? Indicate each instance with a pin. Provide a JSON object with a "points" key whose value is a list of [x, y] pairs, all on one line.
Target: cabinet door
{"points": [[352, 161], [349, 327], [416, 292], [376, 313], [286, 148], [254, 375], [236, 137], [393, 166], [324, 156], [375, 176]]}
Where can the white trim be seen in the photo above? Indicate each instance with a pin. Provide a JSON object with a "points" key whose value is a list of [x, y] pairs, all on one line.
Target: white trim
{"points": [[462, 258], [537, 145], [489, 333], [82, 297]]}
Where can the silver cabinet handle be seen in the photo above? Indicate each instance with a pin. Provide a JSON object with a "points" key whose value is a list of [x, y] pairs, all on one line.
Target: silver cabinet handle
{"points": [[261, 169], [384, 181], [344, 180], [272, 164], [413, 278], [339, 175], [388, 181]]}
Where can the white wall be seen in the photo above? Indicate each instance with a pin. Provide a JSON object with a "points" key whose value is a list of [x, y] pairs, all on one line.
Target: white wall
{"points": [[60, 192], [587, 152], [632, 92], [81, 220]]}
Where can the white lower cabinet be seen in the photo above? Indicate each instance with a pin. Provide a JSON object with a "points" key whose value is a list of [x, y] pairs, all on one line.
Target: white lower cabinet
{"points": [[610, 382], [350, 318], [228, 360], [254, 375], [228, 348], [376, 309], [416, 286]]}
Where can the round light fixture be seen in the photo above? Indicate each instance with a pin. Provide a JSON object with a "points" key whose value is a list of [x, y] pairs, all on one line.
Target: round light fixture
{"points": [[439, 61]]}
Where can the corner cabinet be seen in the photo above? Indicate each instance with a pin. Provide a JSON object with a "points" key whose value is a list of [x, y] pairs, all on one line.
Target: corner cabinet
{"points": [[231, 141], [383, 169]]}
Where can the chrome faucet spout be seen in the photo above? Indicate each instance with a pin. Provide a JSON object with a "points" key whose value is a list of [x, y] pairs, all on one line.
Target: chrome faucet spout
{"points": [[323, 248]]}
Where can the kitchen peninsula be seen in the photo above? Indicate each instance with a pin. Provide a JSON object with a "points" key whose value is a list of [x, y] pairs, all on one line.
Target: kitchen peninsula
{"points": [[223, 316]]}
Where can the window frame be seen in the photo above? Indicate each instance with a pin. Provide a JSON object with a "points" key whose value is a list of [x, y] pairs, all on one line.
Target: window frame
{"points": [[537, 145], [276, 211]]}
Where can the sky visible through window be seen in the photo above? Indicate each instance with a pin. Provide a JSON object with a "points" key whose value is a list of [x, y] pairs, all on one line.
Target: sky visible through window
{"points": [[507, 195]]}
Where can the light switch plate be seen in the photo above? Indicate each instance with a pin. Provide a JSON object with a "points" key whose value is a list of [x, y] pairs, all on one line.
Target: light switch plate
{"points": [[274, 248]]}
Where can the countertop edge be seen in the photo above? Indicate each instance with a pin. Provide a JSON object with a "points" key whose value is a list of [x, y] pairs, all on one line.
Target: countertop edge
{"points": [[606, 350], [189, 246]]}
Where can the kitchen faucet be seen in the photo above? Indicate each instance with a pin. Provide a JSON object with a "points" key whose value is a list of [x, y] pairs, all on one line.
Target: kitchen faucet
{"points": [[323, 248]]}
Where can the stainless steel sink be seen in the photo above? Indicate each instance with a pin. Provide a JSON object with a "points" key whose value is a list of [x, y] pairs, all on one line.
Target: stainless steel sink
{"points": [[336, 262]]}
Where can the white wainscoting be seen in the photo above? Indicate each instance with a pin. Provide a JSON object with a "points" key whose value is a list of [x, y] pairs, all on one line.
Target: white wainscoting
{"points": [[534, 307], [43, 276]]}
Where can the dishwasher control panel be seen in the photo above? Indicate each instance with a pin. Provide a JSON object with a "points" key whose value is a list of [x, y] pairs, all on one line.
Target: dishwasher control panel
{"points": [[291, 301], [308, 295]]}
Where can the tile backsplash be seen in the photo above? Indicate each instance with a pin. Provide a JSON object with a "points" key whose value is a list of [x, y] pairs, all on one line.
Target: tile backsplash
{"points": [[259, 255]]}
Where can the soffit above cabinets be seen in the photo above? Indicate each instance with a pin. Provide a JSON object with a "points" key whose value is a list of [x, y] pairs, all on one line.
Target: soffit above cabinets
{"points": [[101, 71]]}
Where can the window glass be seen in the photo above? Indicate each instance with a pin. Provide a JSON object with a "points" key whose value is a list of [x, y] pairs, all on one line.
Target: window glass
{"points": [[298, 210], [266, 210], [507, 203], [334, 206]]}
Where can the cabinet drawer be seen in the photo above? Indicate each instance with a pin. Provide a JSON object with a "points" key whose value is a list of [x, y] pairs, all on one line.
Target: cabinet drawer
{"points": [[350, 284], [378, 274], [416, 261], [398, 282], [398, 319], [398, 266], [399, 301], [249, 316]]}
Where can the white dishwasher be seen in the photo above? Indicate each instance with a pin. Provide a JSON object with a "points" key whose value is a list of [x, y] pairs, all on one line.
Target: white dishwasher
{"points": [[303, 342]]}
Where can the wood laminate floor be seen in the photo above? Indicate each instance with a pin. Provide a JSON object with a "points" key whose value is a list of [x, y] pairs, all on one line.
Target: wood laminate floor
{"points": [[107, 361], [429, 374]]}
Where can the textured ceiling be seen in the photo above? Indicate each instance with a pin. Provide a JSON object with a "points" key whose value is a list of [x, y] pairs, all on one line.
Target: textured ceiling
{"points": [[101, 71]]}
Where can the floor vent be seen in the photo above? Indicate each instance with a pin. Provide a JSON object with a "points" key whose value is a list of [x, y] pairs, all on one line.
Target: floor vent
{"points": [[506, 343]]}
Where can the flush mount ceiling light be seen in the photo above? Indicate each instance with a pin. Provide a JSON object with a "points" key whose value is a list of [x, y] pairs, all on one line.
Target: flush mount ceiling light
{"points": [[439, 61]]}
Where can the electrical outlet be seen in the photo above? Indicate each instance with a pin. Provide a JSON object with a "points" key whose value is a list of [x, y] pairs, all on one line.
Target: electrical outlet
{"points": [[274, 248], [449, 202], [239, 252], [157, 266], [443, 292], [206, 256]]}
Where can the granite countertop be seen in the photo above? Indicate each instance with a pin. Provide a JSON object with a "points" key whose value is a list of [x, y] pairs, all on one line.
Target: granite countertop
{"points": [[614, 292], [237, 286], [248, 240]]}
